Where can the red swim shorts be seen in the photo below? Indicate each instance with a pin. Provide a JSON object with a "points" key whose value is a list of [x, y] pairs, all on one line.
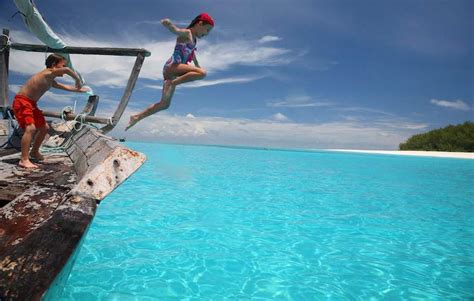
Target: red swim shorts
{"points": [[26, 112]]}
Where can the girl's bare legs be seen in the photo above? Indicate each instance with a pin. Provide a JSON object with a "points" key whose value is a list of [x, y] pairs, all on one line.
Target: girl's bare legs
{"points": [[167, 94], [186, 73], [182, 73]]}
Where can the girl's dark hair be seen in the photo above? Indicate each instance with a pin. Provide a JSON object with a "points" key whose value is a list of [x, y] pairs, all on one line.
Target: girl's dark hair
{"points": [[53, 59], [205, 18], [194, 21]]}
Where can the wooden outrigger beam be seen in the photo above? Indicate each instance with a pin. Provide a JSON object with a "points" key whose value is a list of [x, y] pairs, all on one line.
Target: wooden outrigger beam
{"points": [[82, 50], [70, 116]]}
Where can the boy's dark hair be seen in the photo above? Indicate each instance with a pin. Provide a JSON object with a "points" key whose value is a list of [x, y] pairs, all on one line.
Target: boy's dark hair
{"points": [[53, 59]]}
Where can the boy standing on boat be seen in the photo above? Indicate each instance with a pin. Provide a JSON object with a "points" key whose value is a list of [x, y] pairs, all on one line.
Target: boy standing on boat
{"points": [[29, 117]]}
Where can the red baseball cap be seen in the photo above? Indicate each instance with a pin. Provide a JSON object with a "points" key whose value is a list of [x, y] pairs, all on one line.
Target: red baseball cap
{"points": [[206, 19]]}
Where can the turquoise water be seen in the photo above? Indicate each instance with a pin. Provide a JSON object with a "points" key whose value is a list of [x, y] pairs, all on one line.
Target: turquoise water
{"points": [[214, 223]]}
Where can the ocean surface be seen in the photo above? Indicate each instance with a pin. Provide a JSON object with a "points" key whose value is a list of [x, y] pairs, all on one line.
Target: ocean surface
{"points": [[219, 223]]}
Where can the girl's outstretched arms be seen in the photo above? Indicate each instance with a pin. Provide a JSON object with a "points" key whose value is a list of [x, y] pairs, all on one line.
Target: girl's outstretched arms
{"points": [[176, 30]]}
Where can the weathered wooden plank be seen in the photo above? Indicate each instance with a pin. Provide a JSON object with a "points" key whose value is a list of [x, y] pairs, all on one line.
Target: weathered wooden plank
{"points": [[4, 56], [41, 226], [108, 164], [29, 269], [91, 105], [82, 50], [32, 195]]}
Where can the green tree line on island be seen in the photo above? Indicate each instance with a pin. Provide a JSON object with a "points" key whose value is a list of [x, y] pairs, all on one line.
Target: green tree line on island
{"points": [[453, 138]]}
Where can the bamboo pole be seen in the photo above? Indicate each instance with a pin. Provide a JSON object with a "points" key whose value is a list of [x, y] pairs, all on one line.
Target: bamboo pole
{"points": [[126, 95], [82, 50]]}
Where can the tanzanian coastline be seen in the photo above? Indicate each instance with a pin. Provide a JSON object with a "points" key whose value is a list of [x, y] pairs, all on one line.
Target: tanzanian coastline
{"points": [[457, 155]]}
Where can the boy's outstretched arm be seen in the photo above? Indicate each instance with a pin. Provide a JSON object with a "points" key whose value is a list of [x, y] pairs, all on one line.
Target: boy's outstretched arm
{"points": [[70, 72], [176, 30], [69, 88]]}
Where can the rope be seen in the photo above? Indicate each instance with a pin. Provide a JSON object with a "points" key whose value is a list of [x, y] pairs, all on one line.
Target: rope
{"points": [[82, 118], [66, 109], [18, 12]]}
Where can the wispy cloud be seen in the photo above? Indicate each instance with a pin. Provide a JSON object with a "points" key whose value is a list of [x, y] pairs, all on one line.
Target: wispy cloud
{"points": [[267, 39], [363, 110], [452, 104], [381, 119], [113, 71], [206, 83], [228, 80], [398, 123], [301, 101], [179, 23], [223, 56]]}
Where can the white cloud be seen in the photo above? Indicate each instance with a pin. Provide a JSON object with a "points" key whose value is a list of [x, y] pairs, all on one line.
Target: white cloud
{"points": [[267, 39], [454, 104], [280, 117], [234, 131], [300, 101]]}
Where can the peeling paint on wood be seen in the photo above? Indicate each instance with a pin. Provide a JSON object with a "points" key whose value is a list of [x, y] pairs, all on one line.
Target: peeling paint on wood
{"points": [[46, 212]]}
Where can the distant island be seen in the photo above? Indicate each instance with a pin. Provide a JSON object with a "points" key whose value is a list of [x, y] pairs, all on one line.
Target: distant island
{"points": [[453, 138]]}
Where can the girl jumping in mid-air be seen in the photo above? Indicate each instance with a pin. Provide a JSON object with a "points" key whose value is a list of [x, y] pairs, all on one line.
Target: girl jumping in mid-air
{"points": [[176, 70]]}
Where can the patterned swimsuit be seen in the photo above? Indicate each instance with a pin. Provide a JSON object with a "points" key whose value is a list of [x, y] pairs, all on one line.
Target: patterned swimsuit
{"points": [[183, 54]]}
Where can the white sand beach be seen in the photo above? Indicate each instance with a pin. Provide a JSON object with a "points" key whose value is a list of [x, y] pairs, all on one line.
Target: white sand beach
{"points": [[459, 155]]}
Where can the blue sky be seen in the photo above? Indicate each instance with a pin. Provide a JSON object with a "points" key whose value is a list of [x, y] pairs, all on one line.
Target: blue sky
{"points": [[297, 74]]}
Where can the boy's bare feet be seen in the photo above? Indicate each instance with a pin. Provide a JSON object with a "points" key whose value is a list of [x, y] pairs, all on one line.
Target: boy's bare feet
{"points": [[27, 164], [133, 120]]}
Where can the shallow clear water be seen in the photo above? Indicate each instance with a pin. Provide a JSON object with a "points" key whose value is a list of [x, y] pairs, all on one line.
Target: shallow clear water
{"points": [[214, 223]]}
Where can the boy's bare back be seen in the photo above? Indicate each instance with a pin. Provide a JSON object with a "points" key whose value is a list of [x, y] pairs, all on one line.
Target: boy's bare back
{"points": [[38, 84]]}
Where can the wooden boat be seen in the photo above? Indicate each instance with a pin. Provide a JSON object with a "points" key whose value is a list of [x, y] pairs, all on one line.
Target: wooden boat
{"points": [[45, 213]]}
